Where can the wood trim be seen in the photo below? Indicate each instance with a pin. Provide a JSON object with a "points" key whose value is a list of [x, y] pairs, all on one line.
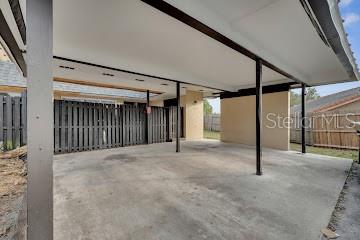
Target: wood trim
{"points": [[59, 94], [201, 27], [13, 89], [103, 85]]}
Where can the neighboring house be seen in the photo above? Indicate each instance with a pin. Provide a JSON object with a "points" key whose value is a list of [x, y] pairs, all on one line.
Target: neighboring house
{"points": [[329, 120], [344, 102]]}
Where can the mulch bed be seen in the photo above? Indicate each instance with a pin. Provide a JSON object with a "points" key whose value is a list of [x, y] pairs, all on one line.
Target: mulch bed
{"points": [[13, 176]]}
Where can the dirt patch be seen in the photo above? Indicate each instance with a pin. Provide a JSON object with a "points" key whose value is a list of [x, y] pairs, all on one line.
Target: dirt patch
{"points": [[12, 187]]}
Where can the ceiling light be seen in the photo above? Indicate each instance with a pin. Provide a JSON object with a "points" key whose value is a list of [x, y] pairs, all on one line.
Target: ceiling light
{"points": [[66, 67], [108, 74]]}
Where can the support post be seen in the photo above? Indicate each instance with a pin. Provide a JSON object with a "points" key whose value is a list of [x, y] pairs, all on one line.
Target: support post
{"points": [[147, 116], [303, 118], [177, 116], [258, 116], [39, 34]]}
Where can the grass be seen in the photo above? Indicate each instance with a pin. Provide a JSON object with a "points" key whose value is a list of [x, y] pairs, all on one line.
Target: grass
{"points": [[352, 154], [211, 135]]}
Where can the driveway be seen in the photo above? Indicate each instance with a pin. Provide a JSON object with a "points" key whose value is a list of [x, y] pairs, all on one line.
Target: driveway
{"points": [[208, 191]]}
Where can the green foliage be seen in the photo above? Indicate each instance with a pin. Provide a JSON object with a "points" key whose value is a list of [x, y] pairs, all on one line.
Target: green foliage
{"points": [[207, 107], [295, 98], [211, 135], [311, 94], [342, 153], [9, 145]]}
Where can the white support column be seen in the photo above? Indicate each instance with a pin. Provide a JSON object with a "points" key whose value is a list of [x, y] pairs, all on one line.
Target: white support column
{"points": [[40, 139]]}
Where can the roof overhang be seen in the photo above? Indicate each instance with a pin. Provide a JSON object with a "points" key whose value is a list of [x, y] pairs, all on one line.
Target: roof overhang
{"points": [[208, 44]]}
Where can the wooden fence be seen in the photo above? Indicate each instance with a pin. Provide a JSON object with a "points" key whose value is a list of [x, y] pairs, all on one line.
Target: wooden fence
{"points": [[212, 122], [328, 130], [12, 122], [80, 126]]}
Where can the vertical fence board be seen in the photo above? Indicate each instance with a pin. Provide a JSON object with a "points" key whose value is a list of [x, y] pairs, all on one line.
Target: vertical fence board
{"points": [[8, 119], [56, 126], [16, 120], [90, 116], [23, 119], [81, 127], [96, 126], [2, 140], [70, 126], [86, 126], [62, 125]]}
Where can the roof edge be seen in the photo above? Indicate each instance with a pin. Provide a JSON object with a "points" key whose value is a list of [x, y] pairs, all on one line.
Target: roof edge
{"points": [[334, 31]]}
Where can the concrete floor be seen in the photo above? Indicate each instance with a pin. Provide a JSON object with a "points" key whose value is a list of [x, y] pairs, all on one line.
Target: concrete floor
{"points": [[208, 191]]}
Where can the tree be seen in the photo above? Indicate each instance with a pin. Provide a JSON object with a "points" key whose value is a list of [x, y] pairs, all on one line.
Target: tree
{"points": [[295, 99], [311, 94], [207, 107]]}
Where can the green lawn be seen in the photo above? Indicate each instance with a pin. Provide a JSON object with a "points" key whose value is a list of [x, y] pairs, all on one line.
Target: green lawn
{"points": [[297, 147], [352, 154], [211, 135]]}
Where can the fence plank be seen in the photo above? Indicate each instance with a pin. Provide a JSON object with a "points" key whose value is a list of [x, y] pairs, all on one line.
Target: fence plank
{"points": [[16, 120], [70, 125], [2, 140], [86, 126], [62, 125], [108, 109], [96, 126], [23, 119], [56, 126], [90, 116], [76, 127], [81, 127], [8, 122], [101, 133]]}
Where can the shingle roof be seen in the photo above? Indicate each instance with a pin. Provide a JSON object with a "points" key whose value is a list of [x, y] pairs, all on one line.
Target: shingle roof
{"points": [[321, 102], [10, 76]]}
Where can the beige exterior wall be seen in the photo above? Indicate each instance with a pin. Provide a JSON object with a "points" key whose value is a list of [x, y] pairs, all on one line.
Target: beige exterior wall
{"points": [[157, 103], [238, 120], [193, 115]]}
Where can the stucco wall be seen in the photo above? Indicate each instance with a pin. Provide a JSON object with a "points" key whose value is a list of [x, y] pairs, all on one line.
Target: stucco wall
{"points": [[238, 120], [193, 114], [157, 103]]}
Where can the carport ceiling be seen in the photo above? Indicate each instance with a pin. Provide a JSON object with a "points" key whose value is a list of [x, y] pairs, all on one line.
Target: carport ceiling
{"points": [[134, 36]]}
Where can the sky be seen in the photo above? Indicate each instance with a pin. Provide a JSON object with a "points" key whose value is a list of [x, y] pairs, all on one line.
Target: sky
{"points": [[350, 11]]}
